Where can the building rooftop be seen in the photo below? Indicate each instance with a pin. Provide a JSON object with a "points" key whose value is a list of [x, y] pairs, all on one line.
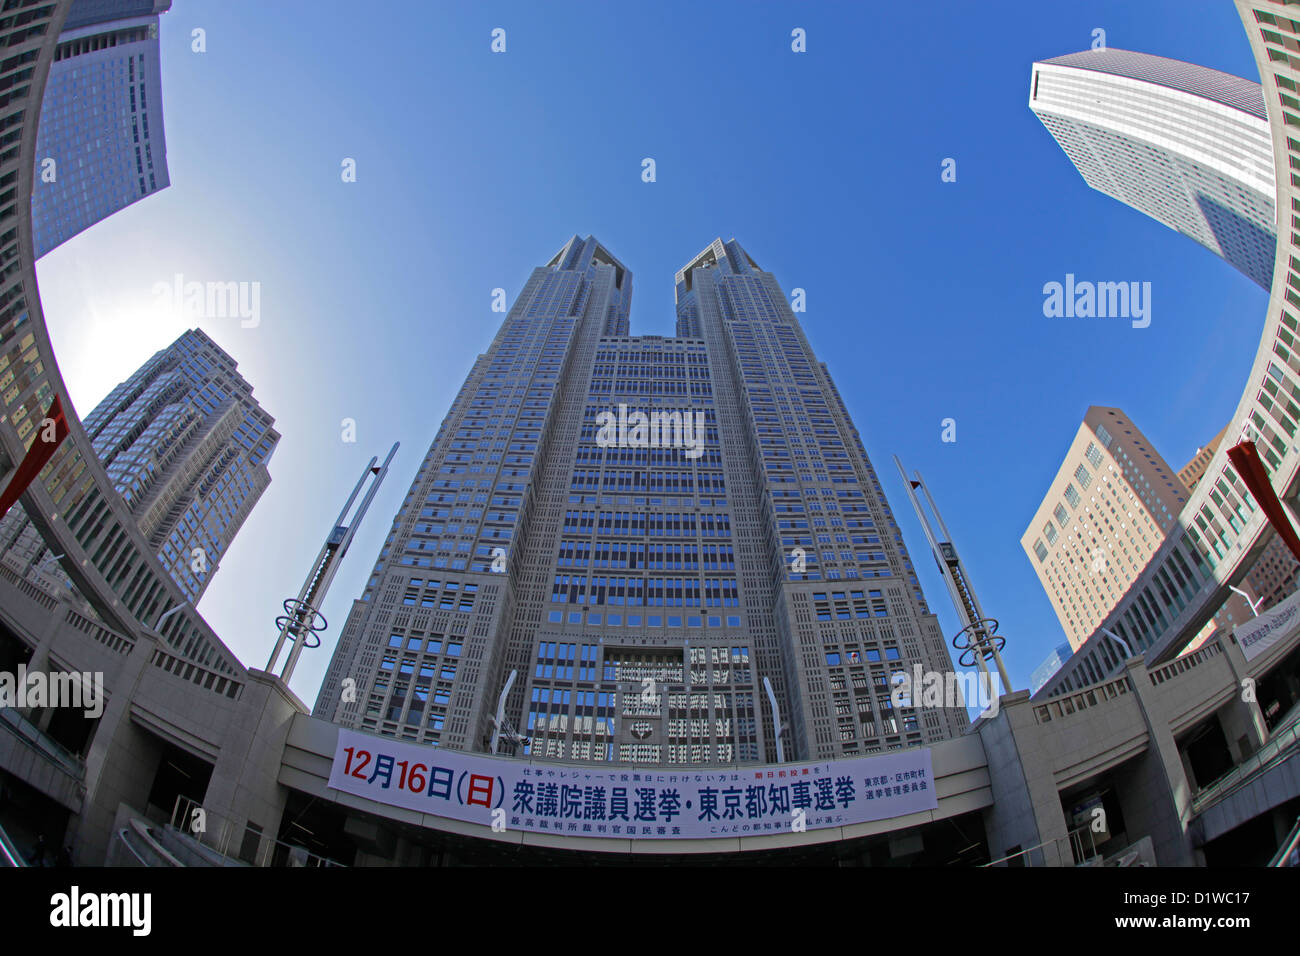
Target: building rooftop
{"points": [[1240, 94]]}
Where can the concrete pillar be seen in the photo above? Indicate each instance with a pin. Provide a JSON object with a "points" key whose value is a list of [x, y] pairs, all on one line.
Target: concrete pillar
{"points": [[1027, 807], [118, 767], [1166, 795], [1241, 718], [244, 785]]}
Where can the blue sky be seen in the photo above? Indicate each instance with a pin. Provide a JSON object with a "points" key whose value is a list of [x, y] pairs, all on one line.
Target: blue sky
{"points": [[924, 298]]}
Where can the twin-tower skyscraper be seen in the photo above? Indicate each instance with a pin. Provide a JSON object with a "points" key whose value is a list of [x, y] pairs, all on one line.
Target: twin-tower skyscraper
{"points": [[643, 591]]}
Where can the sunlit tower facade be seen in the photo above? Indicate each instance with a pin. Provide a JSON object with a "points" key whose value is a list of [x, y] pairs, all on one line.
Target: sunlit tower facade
{"points": [[1112, 503], [1187, 145], [645, 586], [187, 446]]}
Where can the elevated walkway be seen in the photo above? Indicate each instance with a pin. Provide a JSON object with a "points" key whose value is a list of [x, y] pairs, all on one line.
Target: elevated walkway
{"points": [[1268, 778], [37, 760]]}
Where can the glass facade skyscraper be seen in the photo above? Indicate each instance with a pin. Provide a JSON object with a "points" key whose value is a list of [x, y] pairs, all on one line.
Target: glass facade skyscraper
{"points": [[186, 445], [642, 529], [100, 144], [1050, 665]]}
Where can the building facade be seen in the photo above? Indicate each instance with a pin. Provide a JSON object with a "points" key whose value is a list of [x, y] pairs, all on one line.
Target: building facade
{"points": [[261, 768], [1221, 532], [645, 532], [1106, 513], [186, 445], [100, 144], [1187, 145], [85, 13], [1087, 553], [1191, 473], [1050, 665], [1274, 575]]}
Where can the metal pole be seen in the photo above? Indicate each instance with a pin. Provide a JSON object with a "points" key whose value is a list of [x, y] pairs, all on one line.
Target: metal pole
{"points": [[1120, 641], [777, 729], [985, 644], [979, 641], [948, 581], [284, 631], [166, 614], [947, 535], [1253, 605], [157, 625], [978, 632], [1002, 670], [501, 709], [322, 585]]}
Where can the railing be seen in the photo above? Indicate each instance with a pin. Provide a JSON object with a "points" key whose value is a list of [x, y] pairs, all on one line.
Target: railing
{"points": [[122, 835], [171, 663], [148, 835], [273, 853], [31, 735], [186, 817], [27, 589], [9, 853], [110, 639], [1080, 700], [1285, 738], [1135, 855], [197, 674], [1185, 663], [1288, 853], [1079, 851]]}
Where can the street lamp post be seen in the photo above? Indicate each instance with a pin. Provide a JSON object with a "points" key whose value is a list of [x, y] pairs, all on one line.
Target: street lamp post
{"points": [[1253, 605], [501, 709], [777, 729], [166, 614], [1128, 651]]}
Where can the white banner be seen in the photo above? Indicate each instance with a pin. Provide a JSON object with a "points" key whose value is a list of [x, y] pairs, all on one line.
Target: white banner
{"points": [[1259, 634], [627, 802]]}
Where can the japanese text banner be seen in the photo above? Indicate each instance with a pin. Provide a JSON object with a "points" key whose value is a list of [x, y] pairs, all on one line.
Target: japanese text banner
{"points": [[629, 802]]}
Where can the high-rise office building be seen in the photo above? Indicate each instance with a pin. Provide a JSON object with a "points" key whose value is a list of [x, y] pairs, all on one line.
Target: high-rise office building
{"points": [[84, 13], [1187, 145], [186, 445], [100, 144], [1050, 665], [1275, 574], [1190, 474], [643, 531], [1112, 503]]}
